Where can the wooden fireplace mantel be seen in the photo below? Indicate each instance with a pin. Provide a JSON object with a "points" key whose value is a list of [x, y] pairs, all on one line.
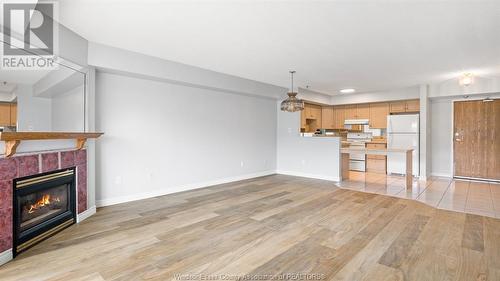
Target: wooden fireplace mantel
{"points": [[12, 139]]}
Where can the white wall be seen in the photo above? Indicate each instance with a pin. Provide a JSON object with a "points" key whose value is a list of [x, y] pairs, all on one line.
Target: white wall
{"points": [[305, 156], [67, 114], [162, 138], [441, 144]]}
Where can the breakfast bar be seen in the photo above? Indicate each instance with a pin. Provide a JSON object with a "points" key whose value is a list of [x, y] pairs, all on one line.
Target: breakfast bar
{"points": [[345, 151]]}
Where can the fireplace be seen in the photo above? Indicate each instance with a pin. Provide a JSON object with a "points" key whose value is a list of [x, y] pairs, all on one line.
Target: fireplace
{"points": [[43, 205]]}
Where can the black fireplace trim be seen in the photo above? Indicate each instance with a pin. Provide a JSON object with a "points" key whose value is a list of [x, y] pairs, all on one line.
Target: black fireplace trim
{"points": [[50, 226]]}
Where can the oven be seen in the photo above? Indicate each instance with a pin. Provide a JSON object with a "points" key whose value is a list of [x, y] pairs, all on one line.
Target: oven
{"points": [[358, 140], [357, 161]]}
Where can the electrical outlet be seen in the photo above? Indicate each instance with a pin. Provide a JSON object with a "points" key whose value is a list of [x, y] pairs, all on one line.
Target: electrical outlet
{"points": [[118, 180], [303, 162], [242, 164]]}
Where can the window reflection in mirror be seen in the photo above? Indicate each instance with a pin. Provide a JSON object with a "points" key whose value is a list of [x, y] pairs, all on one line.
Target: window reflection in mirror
{"points": [[42, 100]]}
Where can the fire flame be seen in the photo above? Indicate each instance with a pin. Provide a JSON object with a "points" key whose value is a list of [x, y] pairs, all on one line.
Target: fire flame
{"points": [[45, 200]]}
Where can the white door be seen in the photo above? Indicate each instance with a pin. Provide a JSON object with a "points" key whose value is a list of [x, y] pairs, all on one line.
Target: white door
{"points": [[396, 162], [407, 123]]}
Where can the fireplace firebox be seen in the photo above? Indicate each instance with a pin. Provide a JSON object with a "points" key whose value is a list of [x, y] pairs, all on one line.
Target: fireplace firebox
{"points": [[44, 204]]}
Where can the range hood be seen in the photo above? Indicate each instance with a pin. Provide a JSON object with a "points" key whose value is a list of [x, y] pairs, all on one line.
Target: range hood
{"points": [[356, 122]]}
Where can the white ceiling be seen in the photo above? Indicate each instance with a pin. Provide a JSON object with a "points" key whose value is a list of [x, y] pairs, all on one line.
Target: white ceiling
{"points": [[366, 45]]}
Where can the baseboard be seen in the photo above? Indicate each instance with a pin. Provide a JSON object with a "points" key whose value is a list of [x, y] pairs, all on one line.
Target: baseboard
{"points": [[306, 175], [443, 175], [5, 256], [85, 214], [145, 195]]}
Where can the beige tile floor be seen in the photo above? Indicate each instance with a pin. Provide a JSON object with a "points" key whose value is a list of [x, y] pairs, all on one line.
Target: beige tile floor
{"points": [[474, 197]]}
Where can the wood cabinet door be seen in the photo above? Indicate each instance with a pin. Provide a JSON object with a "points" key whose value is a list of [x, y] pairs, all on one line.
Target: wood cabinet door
{"points": [[397, 106], [412, 105], [4, 114], [476, 152], [338, 117], [350, 111], [303, 123], [13, 114], [327, 117], [363, 111], [316, 109], [378, 115]]}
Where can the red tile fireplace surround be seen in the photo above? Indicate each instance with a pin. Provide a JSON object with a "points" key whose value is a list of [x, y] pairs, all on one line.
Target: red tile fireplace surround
{"points": [[31, 164]]}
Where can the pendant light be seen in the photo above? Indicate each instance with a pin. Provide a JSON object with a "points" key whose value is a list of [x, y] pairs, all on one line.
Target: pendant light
{"points": [[292, 103]]}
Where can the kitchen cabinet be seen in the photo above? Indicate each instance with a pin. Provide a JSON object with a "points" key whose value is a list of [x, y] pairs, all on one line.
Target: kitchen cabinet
{"points": [[412, 105], [351, 111], [397, 106], [357, 111], [312, 111], [378, 115], [333, 117], [4, 114], [338, 117], [310, 117], [363, 111], [405, 106], [376, 163], [327, 117], [13, 114]]}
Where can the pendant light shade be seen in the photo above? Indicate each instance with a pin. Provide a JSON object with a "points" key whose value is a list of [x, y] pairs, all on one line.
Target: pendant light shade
{"points": [[292, 103]]}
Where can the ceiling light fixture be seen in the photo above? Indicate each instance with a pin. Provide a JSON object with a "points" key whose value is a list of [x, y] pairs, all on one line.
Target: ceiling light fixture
{"points": [[466, 79], [292, 103], [347, 91]]}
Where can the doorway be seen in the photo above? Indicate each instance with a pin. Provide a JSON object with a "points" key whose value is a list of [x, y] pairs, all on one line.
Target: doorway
{"points": [[476, 139]]}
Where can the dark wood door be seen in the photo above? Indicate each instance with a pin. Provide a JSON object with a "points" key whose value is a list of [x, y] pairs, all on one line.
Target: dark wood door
{"points": [[476, 138]]}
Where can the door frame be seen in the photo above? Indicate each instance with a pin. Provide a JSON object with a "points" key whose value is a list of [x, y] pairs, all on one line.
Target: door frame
{"points": [[478, 98]]}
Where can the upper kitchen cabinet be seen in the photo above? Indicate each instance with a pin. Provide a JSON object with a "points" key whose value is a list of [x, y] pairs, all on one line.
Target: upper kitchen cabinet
{"points": [[338, 117], [310, 117], [357, 111], [327, 117], [405, 106], [363, 111], [351, 111], [378, 115], [412, 105], [312, 111], [13, 114], [4, 114], [397, 106]]}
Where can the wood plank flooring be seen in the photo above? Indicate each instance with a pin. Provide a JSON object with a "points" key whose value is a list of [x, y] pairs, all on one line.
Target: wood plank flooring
{"points": [[271, 228]]}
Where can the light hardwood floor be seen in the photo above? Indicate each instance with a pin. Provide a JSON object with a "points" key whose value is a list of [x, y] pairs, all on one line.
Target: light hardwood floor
{"points": [[269, 226]]}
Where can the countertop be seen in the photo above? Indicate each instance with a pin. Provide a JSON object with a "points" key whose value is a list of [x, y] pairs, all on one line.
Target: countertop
{"points": [[380, 141], [372, 151]]}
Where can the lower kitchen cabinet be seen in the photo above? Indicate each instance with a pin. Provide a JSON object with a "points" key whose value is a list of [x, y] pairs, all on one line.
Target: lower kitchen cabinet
{"points": [[376, 163]]}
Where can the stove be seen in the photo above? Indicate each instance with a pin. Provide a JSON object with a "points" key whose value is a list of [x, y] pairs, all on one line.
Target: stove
{"points": [[357, 162]]}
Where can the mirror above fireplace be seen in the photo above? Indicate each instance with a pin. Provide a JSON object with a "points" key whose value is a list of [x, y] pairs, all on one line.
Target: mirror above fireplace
{"points": [[43, 100]]}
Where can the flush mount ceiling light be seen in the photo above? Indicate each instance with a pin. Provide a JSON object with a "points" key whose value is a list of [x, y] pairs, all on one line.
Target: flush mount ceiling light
{"points": [[466, 79], [347, 91], [292, 103]]}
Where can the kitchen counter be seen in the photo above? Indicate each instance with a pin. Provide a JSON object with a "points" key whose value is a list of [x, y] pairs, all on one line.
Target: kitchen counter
{"points": [[345, 151], [375, 151], [378, 141]]}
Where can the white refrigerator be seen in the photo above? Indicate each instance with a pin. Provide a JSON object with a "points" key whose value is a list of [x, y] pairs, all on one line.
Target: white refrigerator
{"points": [[403, 132]]}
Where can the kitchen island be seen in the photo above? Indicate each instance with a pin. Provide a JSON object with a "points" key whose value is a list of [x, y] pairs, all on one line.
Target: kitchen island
{"points": [[344, 163]]}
